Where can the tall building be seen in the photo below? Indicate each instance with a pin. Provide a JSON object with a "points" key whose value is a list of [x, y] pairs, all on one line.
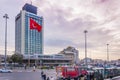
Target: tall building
{"points": [[27, 40]]}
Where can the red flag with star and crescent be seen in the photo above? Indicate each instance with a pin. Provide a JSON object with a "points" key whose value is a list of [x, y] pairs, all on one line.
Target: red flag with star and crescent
{"points": [[35, 25]]}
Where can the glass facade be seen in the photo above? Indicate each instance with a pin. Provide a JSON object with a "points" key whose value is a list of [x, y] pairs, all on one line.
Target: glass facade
{"points": [[33, 38], [30, 8], [28, 39], [18, 34]]}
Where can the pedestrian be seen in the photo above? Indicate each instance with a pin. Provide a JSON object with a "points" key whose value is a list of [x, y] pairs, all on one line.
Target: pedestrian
{"points": [[88, 76], [69, 78], [48, 78], [33, 68], [52, 78], [44, 76], [25, 66], [101, 77], [42, 73], [85, 77], [92, 76]]}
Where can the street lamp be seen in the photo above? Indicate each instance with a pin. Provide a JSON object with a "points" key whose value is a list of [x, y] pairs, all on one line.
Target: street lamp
{"points": [[6, 17], [107, 52], [85, 31]]}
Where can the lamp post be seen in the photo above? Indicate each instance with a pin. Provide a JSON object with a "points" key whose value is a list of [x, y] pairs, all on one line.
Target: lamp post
{"points": [[29, 59], [85, 31], [107, 52], [6, 17]]}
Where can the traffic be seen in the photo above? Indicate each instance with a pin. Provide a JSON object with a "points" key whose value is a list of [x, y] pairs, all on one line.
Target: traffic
{"points": [[93, 73]]}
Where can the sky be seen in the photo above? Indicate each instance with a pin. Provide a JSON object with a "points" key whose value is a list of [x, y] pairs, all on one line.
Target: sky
{"points": [[64, 25]]}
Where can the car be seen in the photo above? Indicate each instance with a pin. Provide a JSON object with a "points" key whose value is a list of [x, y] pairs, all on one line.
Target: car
{"points": [[5, 70]]}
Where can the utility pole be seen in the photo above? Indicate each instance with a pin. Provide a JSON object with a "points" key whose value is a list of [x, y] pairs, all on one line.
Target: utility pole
{"points": [[107, 52], [85, 31], [6, 17]]}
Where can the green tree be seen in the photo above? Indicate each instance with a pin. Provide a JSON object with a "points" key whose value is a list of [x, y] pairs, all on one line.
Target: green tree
{"points": [[9, 60], [17, 58]]}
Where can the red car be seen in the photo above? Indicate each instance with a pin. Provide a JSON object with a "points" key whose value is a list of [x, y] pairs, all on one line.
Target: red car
{"points": [[70, 72]]}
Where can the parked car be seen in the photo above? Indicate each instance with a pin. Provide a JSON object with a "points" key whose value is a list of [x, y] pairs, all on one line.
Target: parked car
{"points": [[5, 70]]}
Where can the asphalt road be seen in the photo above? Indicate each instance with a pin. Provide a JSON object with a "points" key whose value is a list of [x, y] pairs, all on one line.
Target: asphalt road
{"points": [[30, 75], [20, 76], [26, 75], [116, 78]]}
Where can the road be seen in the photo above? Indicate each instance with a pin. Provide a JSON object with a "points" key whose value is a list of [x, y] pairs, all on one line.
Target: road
{"points": [[31, 75], [25, 75], [20, 76], [116, 78]]}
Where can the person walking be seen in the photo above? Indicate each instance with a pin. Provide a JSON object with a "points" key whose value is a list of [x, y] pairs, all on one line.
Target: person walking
{"points": [[42, 73], [52, 78], [25, 66], [34, 68], [69, 78], [44, 76], [48, 78]]}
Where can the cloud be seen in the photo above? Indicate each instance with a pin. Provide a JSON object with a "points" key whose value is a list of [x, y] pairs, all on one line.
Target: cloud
{"points": [[58, 42], [64, 24], [69, 22]]}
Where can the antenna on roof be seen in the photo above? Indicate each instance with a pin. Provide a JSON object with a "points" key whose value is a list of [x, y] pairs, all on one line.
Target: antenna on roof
{"points": [[31, 2]]}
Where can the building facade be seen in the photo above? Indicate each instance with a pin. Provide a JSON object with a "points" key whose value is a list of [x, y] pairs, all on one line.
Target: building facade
{"points": [[28, 41], [48, 60], [72, 53]]}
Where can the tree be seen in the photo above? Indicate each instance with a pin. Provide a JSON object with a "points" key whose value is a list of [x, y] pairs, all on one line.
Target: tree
{"points": [[9, 60], [17, 58]]}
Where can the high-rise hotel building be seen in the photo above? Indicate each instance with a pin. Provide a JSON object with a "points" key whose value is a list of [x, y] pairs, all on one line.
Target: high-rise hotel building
{"points": [[28, 41]]}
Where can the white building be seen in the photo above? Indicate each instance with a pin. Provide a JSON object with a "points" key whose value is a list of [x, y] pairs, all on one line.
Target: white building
{"points": [[51, 60], [28, 41], [71, 53]]}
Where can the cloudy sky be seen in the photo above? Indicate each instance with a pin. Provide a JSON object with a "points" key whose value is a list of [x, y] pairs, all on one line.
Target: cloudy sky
{"points": [[65, 22]]}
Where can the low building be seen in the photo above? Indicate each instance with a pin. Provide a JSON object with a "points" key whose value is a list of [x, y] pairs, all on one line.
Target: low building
{"points": [[51, 60], [68, 56], [72, 53], [89, 61]]}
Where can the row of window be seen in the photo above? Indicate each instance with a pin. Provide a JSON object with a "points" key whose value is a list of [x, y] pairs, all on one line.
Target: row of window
{"points": [[33, 38]]}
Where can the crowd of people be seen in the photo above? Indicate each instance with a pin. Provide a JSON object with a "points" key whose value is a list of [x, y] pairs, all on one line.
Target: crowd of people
{"points": [[90, 76], [44, 77]]}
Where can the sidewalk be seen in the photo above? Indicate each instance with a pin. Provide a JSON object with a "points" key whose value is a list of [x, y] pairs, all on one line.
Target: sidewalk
{"points": [[114, 78], [117, 77], [27, 70]]}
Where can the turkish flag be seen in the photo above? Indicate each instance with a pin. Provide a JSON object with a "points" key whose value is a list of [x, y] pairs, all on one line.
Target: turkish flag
{"points": [[35, 25]]}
